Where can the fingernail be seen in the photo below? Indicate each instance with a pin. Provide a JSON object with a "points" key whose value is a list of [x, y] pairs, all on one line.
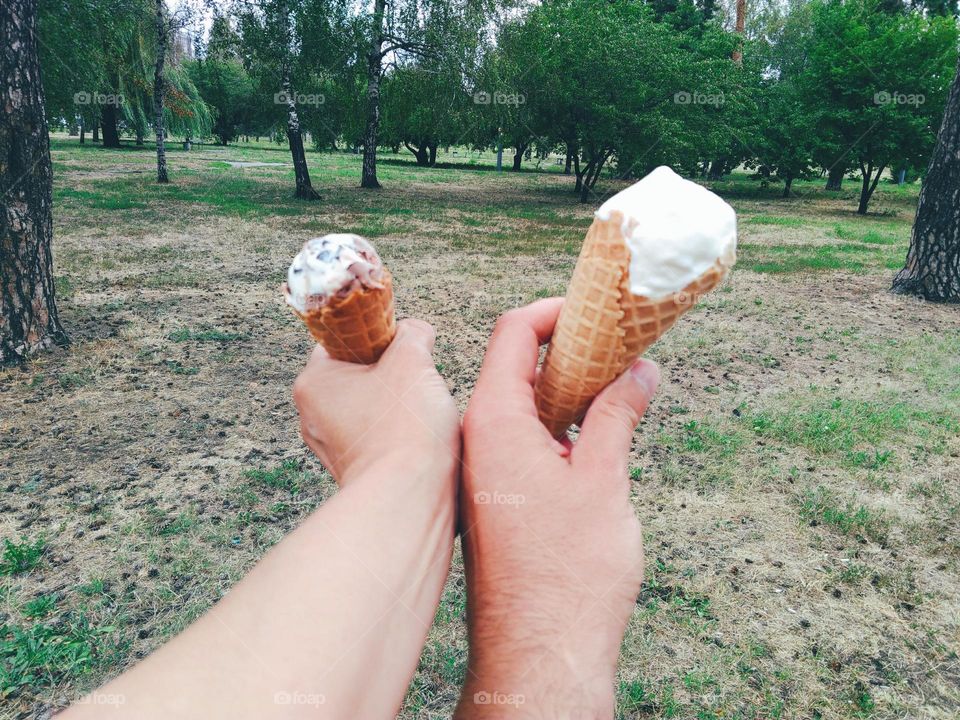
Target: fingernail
{"points": [[647, 374]]}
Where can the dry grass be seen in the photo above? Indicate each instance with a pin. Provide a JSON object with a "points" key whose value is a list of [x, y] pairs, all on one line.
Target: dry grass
{"points": [[797, 475]]}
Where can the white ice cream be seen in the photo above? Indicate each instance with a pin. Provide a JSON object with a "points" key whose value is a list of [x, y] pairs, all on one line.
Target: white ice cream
{"points": [[330, 265], [676, 231]]}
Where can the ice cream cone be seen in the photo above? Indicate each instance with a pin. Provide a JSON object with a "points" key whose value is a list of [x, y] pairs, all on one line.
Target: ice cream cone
{"points": [[339, 287], [356, 328], [603, 327]]}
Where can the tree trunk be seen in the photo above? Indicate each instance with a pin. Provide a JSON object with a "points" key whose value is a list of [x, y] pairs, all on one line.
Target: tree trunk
{"points": [[867, 187], [139, 136], [28, 311], [433, 155], [741, 23], [932, 271], [108, 120], [159, 91], [421, 153], [569, 161], [835, 179], [304, 189], [787, 184], [577, 173], [518, 156], [368, 178], [96, 132], [83, 132]]}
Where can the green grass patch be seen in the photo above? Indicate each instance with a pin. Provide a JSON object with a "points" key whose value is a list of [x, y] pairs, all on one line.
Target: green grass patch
{"points": [[822, 505], [288, 475], [21, 557], [42, 654], [207, 335], [782, 221]]}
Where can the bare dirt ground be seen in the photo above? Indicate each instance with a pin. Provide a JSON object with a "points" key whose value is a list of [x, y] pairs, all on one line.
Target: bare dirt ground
{"points": [[797, 475]]}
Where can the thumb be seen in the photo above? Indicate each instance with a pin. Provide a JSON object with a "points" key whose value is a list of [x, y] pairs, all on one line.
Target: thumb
{"points": [[413, 337], [607, 430]]}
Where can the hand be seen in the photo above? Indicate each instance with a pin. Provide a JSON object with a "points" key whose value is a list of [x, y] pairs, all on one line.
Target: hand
{"points": [[357, 416], [552, 546]]}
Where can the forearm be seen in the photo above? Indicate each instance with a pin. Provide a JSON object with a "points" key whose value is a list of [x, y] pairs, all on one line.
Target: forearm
{"points": [[329, 624], [543, 665]]}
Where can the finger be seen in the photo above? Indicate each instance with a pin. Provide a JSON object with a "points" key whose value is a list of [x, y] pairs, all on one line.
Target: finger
{"points": [[607, 430], [413, 337], [511, 361]]}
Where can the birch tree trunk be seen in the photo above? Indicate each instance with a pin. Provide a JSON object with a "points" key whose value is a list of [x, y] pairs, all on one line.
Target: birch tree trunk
{"points": [[932, 270], [301, 172], [368, 178], [28, 311], [159, 91]]}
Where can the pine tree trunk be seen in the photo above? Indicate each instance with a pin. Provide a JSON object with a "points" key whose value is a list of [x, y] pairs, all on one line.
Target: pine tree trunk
{"points": [[932, 271], [108, 120], [835, 179], [159, 91], [28, 311], [301, 172], [368, 178]]}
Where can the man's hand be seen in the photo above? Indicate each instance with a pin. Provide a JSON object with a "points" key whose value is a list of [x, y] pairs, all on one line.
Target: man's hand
{"points": [[552, 547], [355, 416]]}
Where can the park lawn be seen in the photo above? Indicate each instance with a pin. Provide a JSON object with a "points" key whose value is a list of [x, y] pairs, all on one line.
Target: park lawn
{"points": [[797, 475]]}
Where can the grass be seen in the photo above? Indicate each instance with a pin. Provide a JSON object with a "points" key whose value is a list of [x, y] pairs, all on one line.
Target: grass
{"points": [[753, 487], [823, 505], [288, 475], [21, 557]]}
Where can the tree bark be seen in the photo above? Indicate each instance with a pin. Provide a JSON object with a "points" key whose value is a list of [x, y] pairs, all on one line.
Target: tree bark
{"points": [[835, 179], [867, 187], [519, 150], [421, 153], [569, 161], [96, 132], [368, 177], [301, 172], [83, 132], [932, 270], [28, 312], [108, 120], [159, 91], [433, 155], [740, 25], [787, 184]]}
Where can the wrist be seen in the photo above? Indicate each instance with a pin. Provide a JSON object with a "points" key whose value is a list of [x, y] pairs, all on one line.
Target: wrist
{"points": [[531, 667], [427, 467]]}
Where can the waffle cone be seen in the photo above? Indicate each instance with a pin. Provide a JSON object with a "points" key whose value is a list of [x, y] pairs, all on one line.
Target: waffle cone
{"points": [[603, 328], [357, 327]]}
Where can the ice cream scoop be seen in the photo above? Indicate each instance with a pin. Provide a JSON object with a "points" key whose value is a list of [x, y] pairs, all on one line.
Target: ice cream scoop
{"points": [[329, 266], [675, 230]]}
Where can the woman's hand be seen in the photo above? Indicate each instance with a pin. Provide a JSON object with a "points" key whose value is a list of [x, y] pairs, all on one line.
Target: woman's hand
{"points": [[355, 417]]}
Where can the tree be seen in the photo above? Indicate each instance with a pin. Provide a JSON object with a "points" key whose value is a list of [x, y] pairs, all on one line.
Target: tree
{"points": [[878, 80], [640, 98], [28, 312], [423, 108], [932, 270], [272, 36], [435, 30]]}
